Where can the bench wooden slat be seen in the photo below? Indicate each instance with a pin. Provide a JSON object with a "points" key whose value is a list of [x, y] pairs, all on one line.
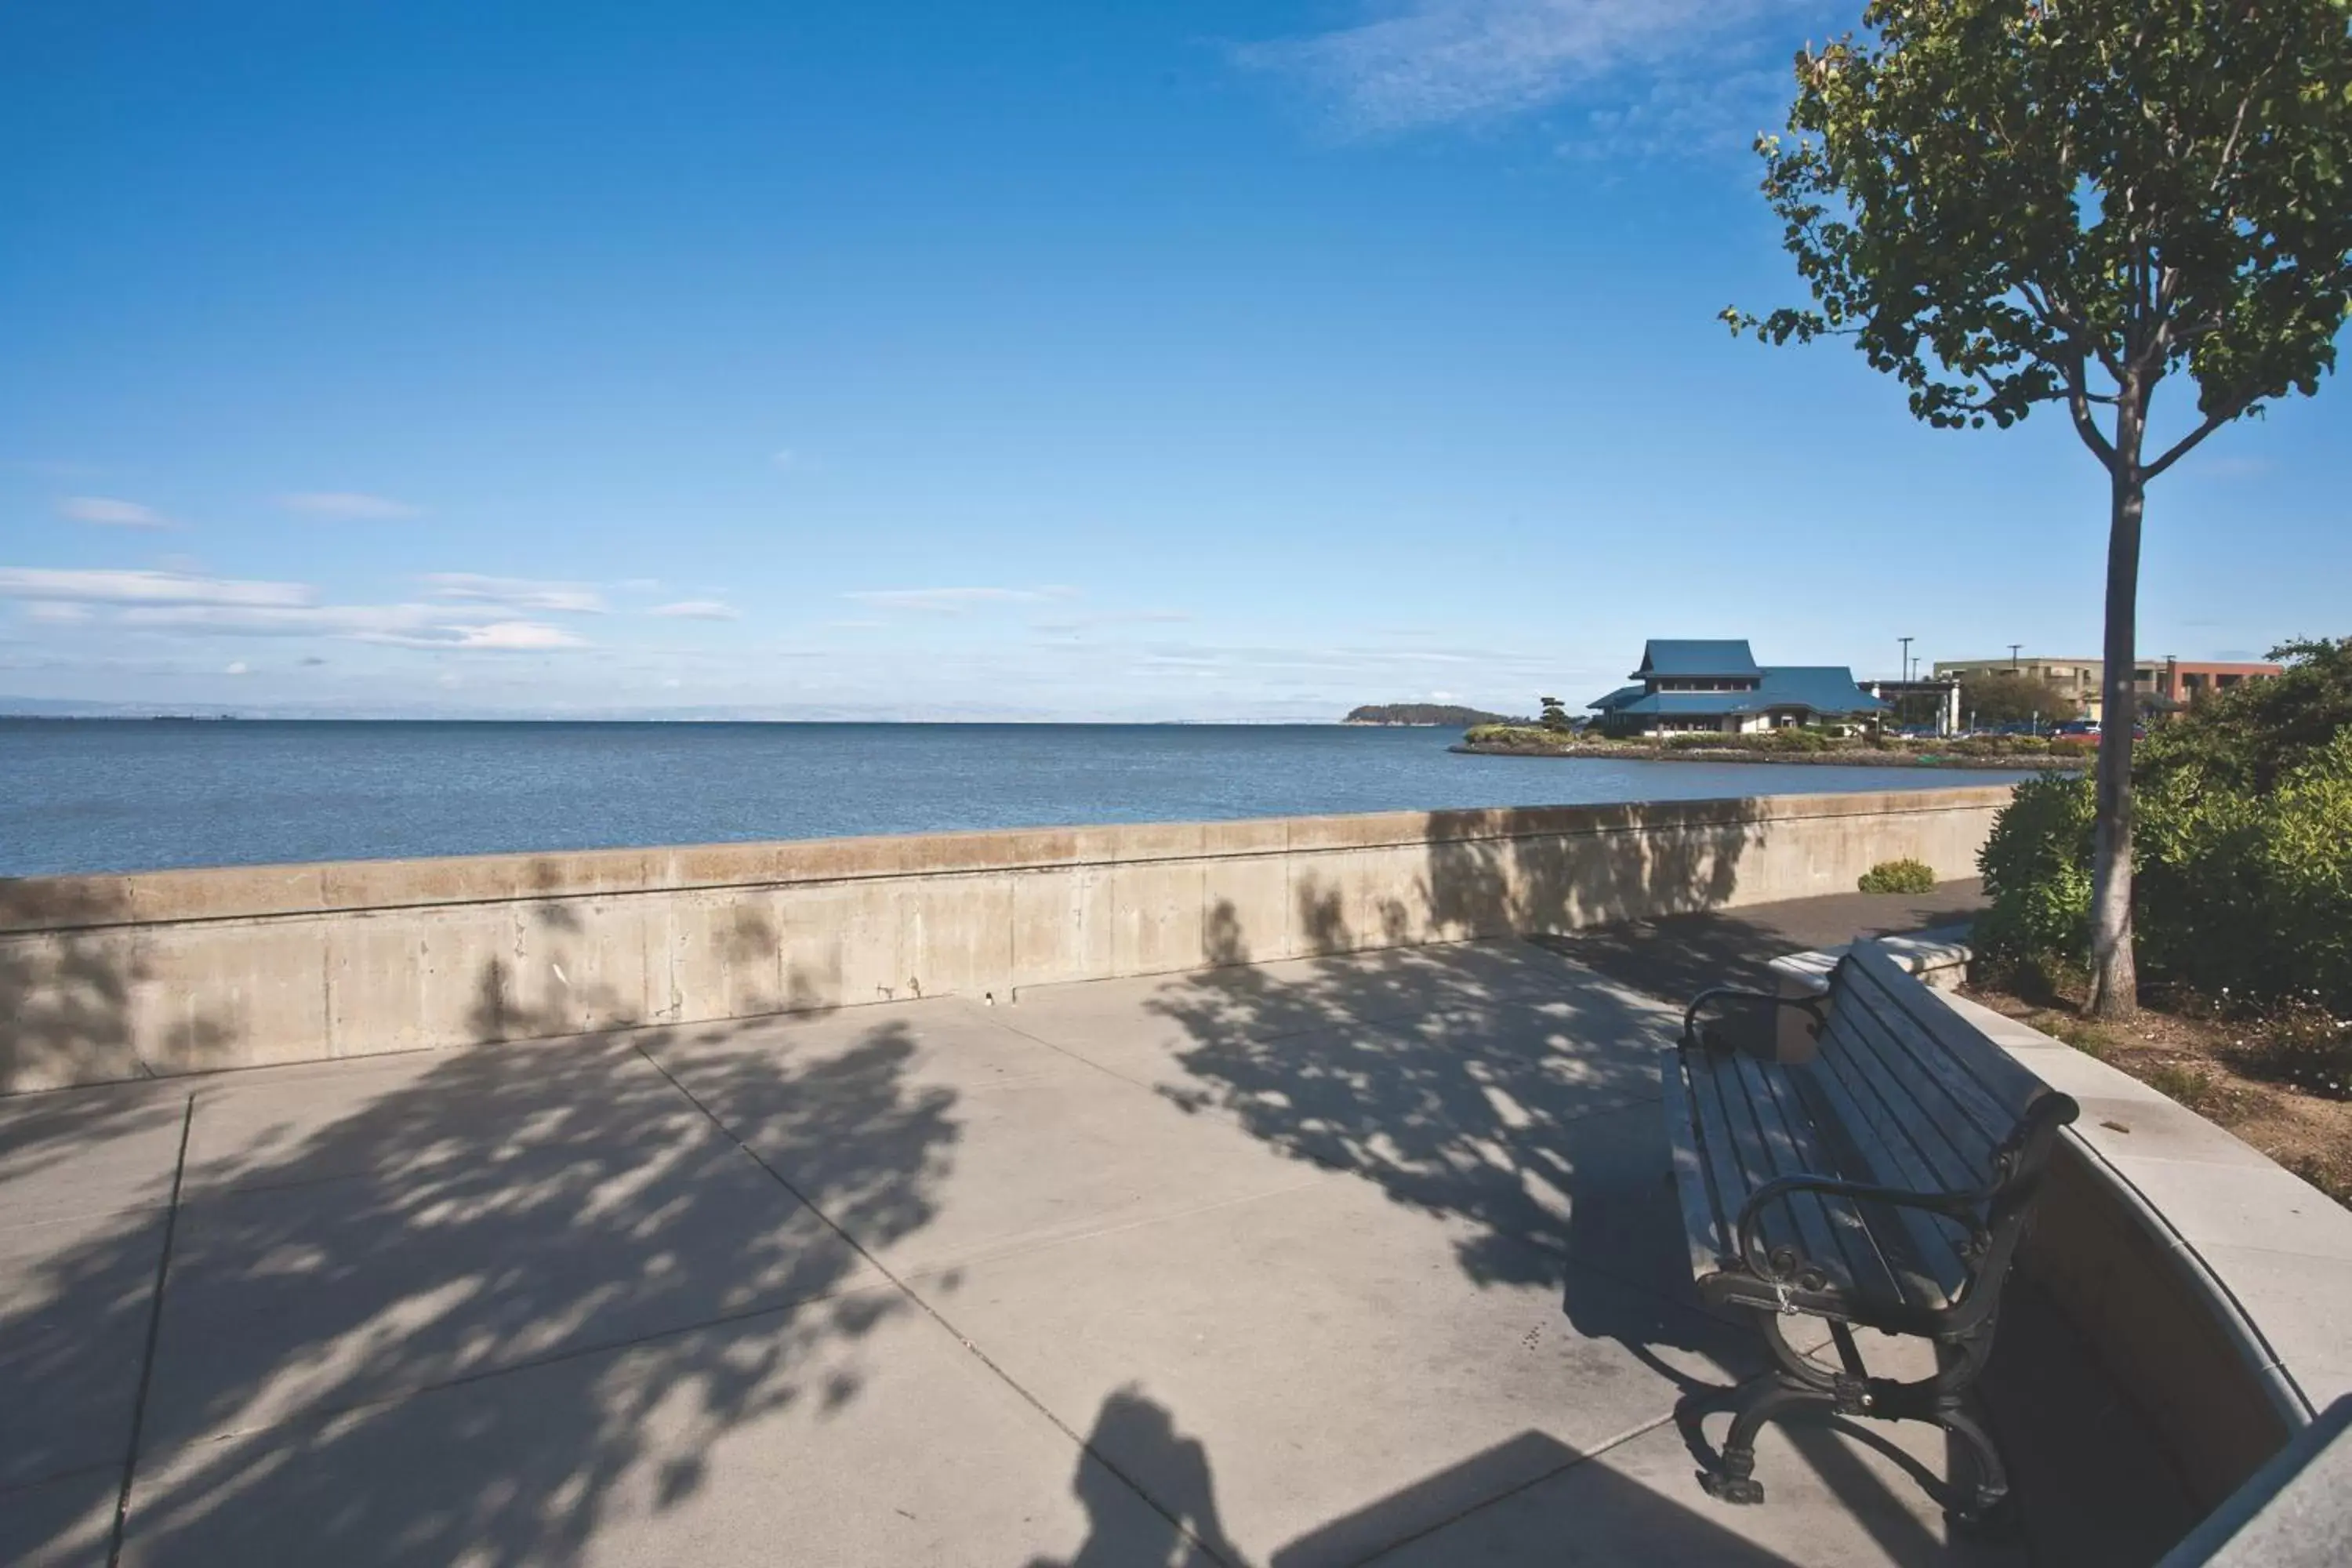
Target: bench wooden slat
{"points": [[1913, 1246], [1776, 1153], [2012, 1085], [1704, 1224], [1831, 1153], [1928, 1064], [1906, 1122], [1827, 1224], [1747, 1168]]}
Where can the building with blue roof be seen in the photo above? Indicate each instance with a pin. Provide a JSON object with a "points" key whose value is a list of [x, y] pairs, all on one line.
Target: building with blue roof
{"points": [[1696, 686]]}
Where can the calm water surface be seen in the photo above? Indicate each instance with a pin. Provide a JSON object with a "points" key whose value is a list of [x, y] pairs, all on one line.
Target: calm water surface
{"points": [[112, 794]]}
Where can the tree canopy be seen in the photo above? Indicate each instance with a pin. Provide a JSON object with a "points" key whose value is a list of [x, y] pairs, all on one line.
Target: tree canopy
{"points": [[2005, 698], [2015, 202]]}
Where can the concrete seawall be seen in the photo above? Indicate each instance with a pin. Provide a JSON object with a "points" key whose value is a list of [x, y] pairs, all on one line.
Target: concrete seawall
{"points": [[159, 973]]}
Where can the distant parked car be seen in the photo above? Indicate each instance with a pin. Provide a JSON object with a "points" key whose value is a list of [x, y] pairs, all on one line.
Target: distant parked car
{"points": [[2079, 727]]}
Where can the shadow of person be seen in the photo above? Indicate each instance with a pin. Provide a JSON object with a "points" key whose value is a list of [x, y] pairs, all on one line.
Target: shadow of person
{"points": [[1135, 1435]]}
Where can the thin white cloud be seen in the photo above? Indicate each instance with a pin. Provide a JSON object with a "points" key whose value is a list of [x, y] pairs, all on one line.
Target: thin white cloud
{"points": [[56, 611], [238, 668], [392, 626], [1439, 62], [518, 637], [435, 624], [954, 601], [347, 506], [146, 588], [108, 511], [699, 610], [1692, 115], [785, 458], [518, 593]]}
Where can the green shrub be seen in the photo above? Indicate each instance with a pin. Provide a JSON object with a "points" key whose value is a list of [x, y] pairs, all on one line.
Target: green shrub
{"points": [[2243, 897], [1515, 735], [2037, 874], [1799, 740], [1898, 877], [2247, 896], [2252, 735], [1698, 740]]}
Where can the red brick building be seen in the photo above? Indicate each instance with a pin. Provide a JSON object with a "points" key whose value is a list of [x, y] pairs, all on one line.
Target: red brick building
{"points": [[2178, 683], [2183, 683]]}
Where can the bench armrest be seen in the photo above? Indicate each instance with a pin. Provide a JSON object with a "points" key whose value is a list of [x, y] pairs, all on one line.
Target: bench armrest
{"points": [[1960, 1207], [1726, 993]]}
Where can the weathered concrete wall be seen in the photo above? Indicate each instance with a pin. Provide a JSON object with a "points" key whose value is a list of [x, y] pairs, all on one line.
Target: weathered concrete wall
{"points": [[170, 972]]}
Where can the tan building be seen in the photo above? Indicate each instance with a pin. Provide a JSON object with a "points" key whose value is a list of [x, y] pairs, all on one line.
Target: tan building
{"points": [[2178, 683]]}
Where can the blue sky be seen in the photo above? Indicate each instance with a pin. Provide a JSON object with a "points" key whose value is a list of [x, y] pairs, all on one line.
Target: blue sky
{"points": [[1212, 361]]}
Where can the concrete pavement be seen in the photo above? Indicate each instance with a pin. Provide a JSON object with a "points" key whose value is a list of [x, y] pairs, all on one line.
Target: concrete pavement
{"points": [[1326, 1262]]}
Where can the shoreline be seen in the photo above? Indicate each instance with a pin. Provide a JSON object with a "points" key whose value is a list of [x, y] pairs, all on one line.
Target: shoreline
{"points": [[1866, 759]]}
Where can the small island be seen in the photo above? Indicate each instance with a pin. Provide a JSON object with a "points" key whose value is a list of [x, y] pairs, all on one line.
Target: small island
{"points": [[1427, 714]]}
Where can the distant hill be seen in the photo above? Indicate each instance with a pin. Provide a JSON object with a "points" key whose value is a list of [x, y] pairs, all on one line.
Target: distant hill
{"points": [[1422, 713]]}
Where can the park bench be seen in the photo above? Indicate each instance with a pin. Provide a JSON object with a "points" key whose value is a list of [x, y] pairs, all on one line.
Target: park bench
{"points": [[1873, 1166]]}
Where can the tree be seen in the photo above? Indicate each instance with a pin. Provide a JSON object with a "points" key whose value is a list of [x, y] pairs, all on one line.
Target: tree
{"points": [[2005, 698], [1555, 714], [2009, 203], [2250, 737], [1918, 707]]}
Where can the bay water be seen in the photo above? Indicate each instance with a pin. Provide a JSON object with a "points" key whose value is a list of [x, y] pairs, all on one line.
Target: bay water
{"points": [[83, 796]]}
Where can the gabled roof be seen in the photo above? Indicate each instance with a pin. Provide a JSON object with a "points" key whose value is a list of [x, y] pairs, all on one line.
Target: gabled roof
{"points": [[1682, 657]]}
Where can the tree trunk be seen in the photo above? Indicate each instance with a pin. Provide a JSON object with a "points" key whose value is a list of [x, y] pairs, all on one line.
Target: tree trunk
{"points": [[2115, 979]]}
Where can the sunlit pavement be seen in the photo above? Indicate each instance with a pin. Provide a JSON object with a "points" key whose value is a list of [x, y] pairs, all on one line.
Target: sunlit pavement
{"points": [[1320, 1262]]}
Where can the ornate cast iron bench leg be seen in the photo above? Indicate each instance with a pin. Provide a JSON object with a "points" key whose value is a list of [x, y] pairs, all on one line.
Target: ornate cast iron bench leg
{"points": [[1793, 1384], [1981, 1501], [1978, 1498]]}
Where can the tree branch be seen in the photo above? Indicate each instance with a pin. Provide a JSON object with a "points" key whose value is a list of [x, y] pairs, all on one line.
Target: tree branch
{"points": [[2187, 443], [2053, 312], [2078, 404]]}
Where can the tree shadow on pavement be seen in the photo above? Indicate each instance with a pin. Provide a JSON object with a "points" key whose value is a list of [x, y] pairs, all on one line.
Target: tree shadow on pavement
{"points": [[459, 1307], [1488, 1084]]}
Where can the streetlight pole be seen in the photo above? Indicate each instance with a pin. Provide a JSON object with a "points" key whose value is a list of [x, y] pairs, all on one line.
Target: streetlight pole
{"points": [[1903, 670], [2012, 656]]}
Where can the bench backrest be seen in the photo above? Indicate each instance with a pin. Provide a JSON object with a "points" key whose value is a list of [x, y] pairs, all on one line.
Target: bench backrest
{"points": [[1932, 1105]]}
